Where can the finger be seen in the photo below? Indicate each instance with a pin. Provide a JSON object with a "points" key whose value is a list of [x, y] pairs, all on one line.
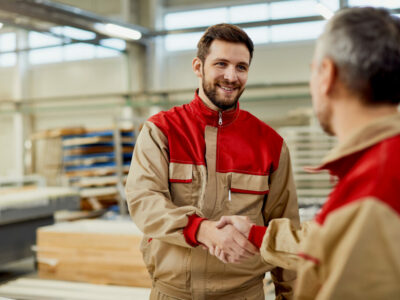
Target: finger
{"points": [[245, 244], [223, 222], [222, 257], [204, 247], [211, 250]]}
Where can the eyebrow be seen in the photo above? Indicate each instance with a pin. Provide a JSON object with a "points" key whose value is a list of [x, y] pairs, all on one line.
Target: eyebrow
{"points": [[225, 60]]}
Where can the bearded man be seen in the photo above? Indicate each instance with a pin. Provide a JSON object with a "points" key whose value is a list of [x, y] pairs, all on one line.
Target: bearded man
{"points": [[200, 161]]}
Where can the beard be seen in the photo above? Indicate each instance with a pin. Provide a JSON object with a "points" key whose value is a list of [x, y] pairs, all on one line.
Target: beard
{"points": [[211, 91]]}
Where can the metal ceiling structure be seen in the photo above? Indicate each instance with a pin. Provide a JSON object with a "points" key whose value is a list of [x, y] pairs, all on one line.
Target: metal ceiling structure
{"points": [[42, 15]]}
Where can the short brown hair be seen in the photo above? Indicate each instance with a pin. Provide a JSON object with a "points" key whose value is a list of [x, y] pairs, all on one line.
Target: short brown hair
{"points": [[223, 32]]}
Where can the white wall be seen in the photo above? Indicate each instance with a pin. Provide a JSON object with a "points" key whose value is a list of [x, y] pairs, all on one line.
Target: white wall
{"points": [[7, 146]]}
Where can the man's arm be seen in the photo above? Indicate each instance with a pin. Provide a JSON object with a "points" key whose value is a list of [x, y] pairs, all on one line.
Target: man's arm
{"points": [[282, 203], [148, 196], [353, 255], [279, 243]]}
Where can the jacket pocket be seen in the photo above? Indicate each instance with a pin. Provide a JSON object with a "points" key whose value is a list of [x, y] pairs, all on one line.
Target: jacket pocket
{"points": [[181, 181], [247, 193], [145, 248]]}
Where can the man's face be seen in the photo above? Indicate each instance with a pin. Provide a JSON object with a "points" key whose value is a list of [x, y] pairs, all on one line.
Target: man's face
{"points": [[224, 73], [322, 107]]}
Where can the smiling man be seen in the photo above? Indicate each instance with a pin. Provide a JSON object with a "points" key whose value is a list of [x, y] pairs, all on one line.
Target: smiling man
{"points": [[200, 161]]}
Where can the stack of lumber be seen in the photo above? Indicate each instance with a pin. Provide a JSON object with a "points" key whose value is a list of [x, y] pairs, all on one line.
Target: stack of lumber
{"points": [[47, 153], [308, 145], [94, 251], [90, 162], [41, 289]]}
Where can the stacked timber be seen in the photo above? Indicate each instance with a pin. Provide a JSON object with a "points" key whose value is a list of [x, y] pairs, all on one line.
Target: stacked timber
{"points": [[96, 162], [93, 251], [47, 153]]}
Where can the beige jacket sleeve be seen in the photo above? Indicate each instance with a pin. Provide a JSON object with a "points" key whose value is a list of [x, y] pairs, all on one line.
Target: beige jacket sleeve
{"points": [[282, 203], [281, 242], [147, 190], [354, 255]]}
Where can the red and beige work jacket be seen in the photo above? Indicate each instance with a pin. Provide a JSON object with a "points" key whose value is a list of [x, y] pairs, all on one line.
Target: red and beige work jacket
{"points": [[190, 163], [352, 248]]}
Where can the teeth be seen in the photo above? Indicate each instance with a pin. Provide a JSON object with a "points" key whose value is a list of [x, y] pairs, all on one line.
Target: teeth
{"points": [[227, 89]]}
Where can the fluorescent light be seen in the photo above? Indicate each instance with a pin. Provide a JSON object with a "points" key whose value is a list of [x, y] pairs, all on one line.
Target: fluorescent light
{"points": [[324, 11], [118, 31], [1, 25]]}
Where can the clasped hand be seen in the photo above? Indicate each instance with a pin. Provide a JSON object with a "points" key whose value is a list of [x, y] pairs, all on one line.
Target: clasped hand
{"points": [[227, 238]]}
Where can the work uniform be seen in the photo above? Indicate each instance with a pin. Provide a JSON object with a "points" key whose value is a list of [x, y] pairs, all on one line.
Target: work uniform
{"points": [[192, 163], [352, 248]]}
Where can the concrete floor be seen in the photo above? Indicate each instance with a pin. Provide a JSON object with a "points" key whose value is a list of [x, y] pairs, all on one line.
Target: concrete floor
{"points": [[25, 268]]}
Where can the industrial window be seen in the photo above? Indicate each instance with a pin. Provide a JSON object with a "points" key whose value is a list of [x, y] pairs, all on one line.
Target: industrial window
{"points": [[70, 52], [8, 42], [249, 13], [36, 40], [389, 4], [73, 33], [297, 32]]}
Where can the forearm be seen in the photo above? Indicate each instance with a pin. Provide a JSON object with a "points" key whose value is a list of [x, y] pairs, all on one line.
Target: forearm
{"points": [[279, 244], [147, 190]]}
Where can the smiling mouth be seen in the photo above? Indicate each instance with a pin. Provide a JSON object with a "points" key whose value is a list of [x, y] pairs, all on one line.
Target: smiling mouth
{"points": [[226, 88]]}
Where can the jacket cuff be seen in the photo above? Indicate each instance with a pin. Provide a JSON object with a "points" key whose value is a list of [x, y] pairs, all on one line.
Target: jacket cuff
{"points": [[256, 235], [191, 228]]}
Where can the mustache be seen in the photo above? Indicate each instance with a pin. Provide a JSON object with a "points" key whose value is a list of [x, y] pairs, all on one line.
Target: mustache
{"points": [[228, 84]]}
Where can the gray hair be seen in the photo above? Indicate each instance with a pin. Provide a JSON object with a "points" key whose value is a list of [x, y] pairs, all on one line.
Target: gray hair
{"points": [[364, 43]]}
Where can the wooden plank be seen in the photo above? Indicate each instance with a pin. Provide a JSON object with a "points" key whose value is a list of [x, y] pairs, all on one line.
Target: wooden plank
{"points": [[40, 289], [96, 251]]}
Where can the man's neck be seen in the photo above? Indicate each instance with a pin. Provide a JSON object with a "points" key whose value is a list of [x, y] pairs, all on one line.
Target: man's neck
{"points": [[349, 116], [208, 102]]}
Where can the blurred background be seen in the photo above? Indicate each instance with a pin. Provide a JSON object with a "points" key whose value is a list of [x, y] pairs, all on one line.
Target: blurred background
{"points": [[77, 80]]}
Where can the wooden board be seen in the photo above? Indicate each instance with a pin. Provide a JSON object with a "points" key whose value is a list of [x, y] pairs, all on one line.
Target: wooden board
{"points": [[41, 289], [96, 149], [94, 251], [79, 141]]}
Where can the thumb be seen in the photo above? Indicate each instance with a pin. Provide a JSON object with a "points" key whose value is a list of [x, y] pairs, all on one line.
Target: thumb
{"points": [[223, 222]]}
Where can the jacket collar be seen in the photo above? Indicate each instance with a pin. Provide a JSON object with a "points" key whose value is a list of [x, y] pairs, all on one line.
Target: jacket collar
{"points": [[339, 158], [212, 117]]}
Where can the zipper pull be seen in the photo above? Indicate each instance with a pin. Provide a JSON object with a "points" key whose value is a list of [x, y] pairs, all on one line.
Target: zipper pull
{"points": [[229, 195], [220, 119]]}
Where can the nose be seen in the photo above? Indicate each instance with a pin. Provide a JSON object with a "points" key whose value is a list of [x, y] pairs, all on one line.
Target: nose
{"points": [[230, 74]]}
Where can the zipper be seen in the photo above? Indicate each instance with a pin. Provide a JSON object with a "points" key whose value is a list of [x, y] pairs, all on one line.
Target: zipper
{"points": [[220, 118]]}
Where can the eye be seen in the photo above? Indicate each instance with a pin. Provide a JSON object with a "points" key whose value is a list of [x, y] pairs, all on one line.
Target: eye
{"points": [[220, 64], [242, 68]]}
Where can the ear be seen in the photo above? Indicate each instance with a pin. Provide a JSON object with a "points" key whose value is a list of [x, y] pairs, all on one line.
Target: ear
{"points": [[197, 66], [328, 75]]}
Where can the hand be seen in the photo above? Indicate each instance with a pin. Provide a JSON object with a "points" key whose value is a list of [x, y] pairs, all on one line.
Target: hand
{"points": [[241, 223], [229, 240]]}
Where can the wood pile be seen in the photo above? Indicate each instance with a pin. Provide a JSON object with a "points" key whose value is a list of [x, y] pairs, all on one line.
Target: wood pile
{"points": [[93, 251]]}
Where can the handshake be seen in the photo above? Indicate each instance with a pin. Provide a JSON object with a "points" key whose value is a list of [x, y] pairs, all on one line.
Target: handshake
{"points": [[227, 239]]}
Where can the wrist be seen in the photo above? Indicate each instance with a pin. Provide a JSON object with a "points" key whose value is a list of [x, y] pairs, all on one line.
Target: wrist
{"points": [[191, 229], [256, 235], [203, 231]]}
